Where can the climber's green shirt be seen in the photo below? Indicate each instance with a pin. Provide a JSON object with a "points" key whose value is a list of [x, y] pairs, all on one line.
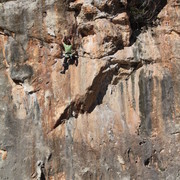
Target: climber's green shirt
{"points": [[67, 48]]}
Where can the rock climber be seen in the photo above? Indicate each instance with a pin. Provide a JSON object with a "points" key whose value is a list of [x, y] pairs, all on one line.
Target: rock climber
{"points": [[67, 44]]}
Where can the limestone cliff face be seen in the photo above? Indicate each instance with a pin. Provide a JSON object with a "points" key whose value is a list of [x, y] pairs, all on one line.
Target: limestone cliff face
{"points": [[114, 116]]}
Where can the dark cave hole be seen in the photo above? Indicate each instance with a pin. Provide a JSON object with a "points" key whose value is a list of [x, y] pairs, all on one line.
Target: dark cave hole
{"points": [[17, 81], [147, 161], [44, 14], [141, 143], [142, 14]]}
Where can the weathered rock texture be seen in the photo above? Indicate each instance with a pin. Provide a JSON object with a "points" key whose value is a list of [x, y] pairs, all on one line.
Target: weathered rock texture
{"points": [[114, 116]]}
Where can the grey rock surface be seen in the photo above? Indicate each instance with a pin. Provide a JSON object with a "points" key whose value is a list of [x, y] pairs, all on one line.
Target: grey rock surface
{"points": [[114, 116]]}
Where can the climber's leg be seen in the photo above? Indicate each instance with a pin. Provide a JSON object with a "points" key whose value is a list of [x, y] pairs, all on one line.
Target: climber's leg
{"points": [[65, 65]]}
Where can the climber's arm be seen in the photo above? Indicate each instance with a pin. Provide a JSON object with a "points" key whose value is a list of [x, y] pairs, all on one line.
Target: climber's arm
{"points": [[72, 40], [62, 41]]}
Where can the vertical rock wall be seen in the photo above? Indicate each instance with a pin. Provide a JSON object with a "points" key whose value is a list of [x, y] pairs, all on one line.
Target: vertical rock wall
{"points": [[114, 116]]}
